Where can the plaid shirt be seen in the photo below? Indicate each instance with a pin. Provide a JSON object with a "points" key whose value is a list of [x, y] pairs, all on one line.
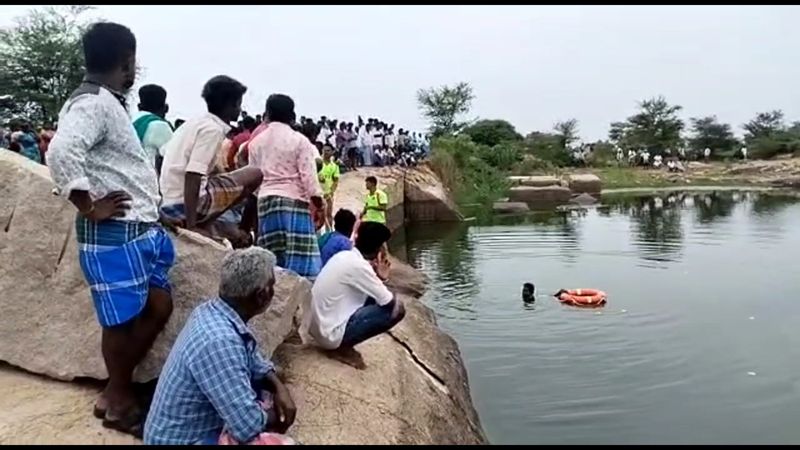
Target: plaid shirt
{"points": [[207, 381]]}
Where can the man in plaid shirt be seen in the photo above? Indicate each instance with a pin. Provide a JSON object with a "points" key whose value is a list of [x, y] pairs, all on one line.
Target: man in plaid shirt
{"points": [[214, 375]]}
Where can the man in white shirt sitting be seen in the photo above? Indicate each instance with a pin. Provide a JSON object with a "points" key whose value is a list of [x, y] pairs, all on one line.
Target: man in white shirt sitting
{"points": [[350, 302]]}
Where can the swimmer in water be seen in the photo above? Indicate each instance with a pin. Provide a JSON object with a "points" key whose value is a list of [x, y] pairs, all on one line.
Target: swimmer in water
{"points": [[528, 293]]}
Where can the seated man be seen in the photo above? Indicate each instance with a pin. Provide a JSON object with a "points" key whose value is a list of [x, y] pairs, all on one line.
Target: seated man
{"points": [[195, 194], [349, 302], [337, 240], [210, 386]]}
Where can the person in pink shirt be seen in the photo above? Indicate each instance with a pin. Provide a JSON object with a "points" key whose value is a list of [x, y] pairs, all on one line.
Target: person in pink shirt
{"points": [[287, 160]]}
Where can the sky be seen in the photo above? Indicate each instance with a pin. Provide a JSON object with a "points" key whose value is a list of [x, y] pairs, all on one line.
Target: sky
{"points": [[530, 65]]}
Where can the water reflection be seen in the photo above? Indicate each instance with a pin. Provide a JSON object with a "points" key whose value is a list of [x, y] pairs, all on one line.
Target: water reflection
{"points": [[667, 360]]}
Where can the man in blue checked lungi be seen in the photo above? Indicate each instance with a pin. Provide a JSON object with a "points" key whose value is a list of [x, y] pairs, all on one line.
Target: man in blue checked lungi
{"points": [[290, 185], [97, 161]]}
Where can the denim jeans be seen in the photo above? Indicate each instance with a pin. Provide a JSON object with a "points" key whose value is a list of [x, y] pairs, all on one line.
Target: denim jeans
{"points": [[367, 322]]}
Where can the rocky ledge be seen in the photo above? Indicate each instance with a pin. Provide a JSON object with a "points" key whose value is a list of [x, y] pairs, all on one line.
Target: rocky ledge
{"points": [[415, 389]]}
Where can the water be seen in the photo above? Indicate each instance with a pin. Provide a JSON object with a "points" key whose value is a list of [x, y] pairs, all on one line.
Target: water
{"points": [[699, 342]]}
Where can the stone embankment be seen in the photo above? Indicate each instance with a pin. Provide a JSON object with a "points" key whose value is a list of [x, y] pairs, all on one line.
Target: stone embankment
{"points": [[546, 191], [414, 391]]}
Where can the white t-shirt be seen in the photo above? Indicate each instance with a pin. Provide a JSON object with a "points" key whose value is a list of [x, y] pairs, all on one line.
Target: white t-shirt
{"points": [[156, 137], [707, 152], [195, 147], [341, 288]]}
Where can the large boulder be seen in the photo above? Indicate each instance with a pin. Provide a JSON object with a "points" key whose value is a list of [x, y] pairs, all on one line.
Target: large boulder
{"points": [[585, 183], [534, 180], [510, 207], [427, 199], [413, 391], [49, 325], [539, 195]]}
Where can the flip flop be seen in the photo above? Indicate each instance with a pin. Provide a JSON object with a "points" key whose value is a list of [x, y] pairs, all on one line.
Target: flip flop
{"points": [[132, 423]]}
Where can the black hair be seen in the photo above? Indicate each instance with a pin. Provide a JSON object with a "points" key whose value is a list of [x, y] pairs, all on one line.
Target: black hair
{"points": [[249, 123], [280, 108], [371, 179], [344, 221], [371, 237], [318, 144], [152, 97], [222, 91], [529, 286], [178, 123], [106, 46]]}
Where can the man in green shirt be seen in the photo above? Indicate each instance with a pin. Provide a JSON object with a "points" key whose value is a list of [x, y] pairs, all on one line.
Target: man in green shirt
{"points": [[329, 180], [375, 204]]}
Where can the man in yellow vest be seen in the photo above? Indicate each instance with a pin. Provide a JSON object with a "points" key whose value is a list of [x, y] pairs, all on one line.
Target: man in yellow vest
{"points": [[329, 180], [376, 203]]}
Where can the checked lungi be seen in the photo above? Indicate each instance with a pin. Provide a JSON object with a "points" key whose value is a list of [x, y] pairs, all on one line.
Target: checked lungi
{"points": [[221, 191], [286, 229], [121, 261]]}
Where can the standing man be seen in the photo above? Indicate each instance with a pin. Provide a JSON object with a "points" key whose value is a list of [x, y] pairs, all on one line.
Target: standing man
{"points": [[707, 154], [150, 123], [98, 163], [195, 194], [329, 179], [365, 139], [744, 153], [290, 185], [375, 204]]}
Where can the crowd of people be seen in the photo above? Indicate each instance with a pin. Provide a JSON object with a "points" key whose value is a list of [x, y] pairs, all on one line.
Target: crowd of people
{"points": [[268, 189], [20, 136]]}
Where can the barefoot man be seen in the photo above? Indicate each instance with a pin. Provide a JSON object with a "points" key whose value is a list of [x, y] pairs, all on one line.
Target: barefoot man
{"points": [[349, 301], [98, 163]]}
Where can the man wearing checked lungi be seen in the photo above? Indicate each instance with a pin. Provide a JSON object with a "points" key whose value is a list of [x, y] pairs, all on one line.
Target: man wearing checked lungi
{"points": [[97, 161], [287, 160]]}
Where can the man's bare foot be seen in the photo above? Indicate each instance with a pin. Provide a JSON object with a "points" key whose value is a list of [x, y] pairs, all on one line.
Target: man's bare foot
{"points": [[349, 356]]}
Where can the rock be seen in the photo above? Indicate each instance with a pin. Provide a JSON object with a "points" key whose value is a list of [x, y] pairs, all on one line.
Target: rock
{"points": [[36, 410], [427, 199], [583, 199], [46, 303], [535, 181], [413, 391], [510, 207], [529, 194], [588, 183]]}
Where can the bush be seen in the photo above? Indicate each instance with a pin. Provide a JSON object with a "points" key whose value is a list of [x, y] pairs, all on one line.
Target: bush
{"points": [[460, 164], [491, 132]]}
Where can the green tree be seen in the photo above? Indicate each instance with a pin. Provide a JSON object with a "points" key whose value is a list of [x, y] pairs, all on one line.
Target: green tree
{"points": [[492, 132], [764, 125], [567, 131], [708, 132], [442, 107], [655, 127], [41, 60]]}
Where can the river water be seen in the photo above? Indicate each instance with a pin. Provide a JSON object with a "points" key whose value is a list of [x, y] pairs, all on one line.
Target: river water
{"points": [[699, 341]]}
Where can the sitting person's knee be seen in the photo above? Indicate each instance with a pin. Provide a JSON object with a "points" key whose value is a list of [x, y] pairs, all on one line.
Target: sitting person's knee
{"points": [[398, 311]]}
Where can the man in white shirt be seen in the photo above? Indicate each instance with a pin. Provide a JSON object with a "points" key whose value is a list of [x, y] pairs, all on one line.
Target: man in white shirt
{"points": [[194, 193], [744, 153], [350, 303], [707, 154], [365, 140]]}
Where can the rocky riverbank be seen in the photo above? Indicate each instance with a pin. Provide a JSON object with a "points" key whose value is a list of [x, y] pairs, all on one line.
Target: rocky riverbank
{"points": [[415, 388]]}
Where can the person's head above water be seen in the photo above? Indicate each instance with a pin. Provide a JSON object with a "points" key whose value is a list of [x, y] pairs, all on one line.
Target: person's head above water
{"points": [[528, 292]]}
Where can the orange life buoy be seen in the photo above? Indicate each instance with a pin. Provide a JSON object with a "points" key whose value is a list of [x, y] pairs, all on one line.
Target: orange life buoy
{"points": [[583, 297]]}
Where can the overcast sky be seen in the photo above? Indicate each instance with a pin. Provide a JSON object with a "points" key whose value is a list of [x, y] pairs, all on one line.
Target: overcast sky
{"points": [[531, 65]]}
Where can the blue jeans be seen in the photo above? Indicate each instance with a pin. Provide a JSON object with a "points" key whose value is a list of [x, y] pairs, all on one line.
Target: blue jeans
{"points": [[369, 321]]}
